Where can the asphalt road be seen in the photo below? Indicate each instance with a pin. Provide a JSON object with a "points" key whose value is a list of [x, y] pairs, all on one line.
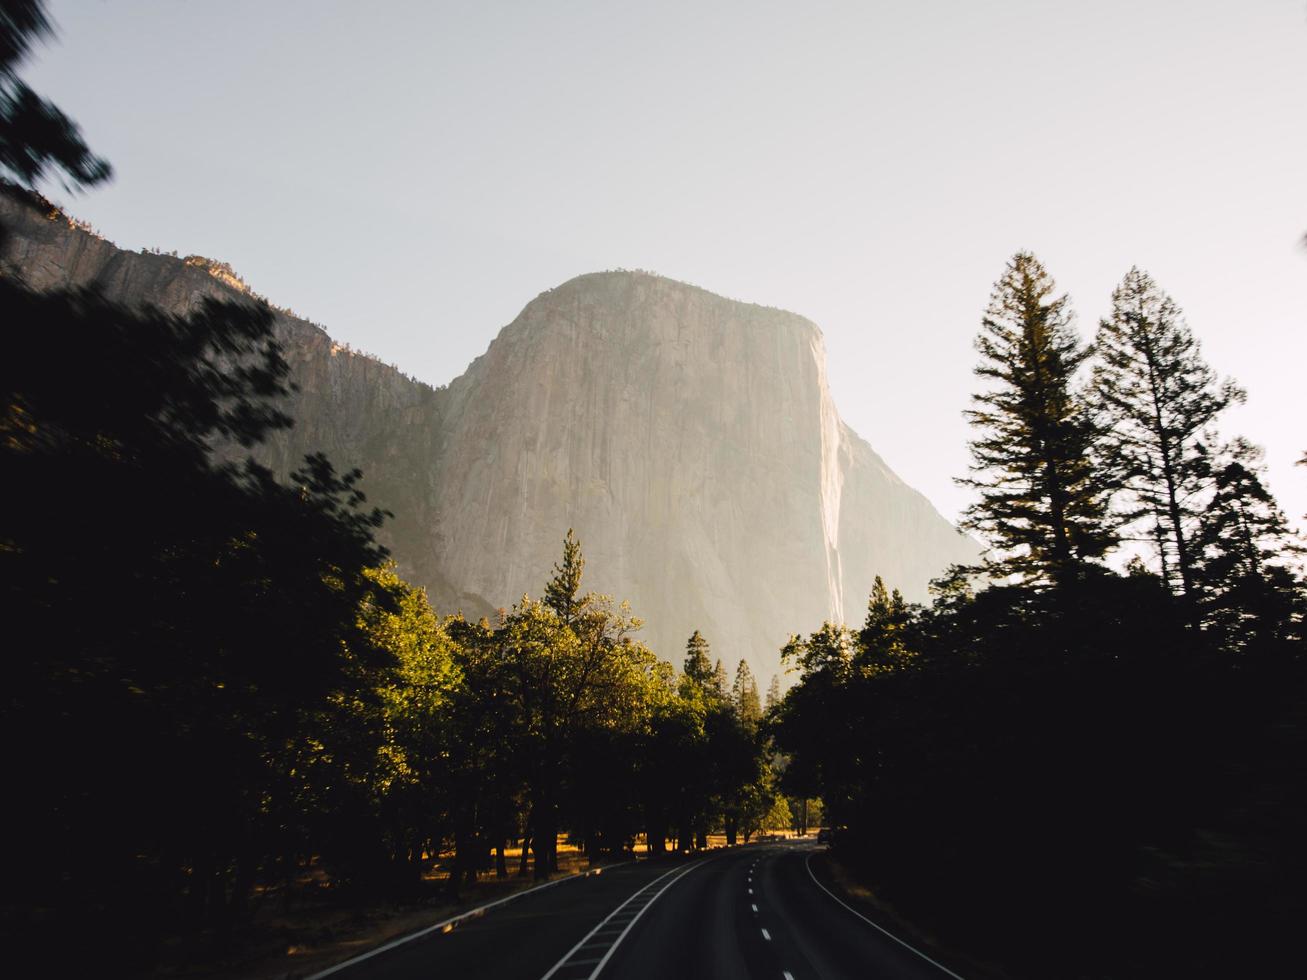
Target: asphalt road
{"points": [[751, 912], [758, 913]]}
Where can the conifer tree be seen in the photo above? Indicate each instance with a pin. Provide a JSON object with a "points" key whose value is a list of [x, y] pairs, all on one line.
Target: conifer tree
{"points": [[883, 635], [721, 681], [698, 668], [1159, 400], [773, 693], [1043, 501], [562, 594], [1243, 545], [744, 696]]}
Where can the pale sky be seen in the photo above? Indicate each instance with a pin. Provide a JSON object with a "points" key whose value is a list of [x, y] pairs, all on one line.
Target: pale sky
{"points": [[411, 180]]}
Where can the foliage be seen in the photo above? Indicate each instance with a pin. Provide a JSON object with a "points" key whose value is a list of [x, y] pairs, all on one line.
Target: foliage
{"points": [[1090, 761], [1042, 503], [36, 138], [238, 668], [1159, 401], [203, 652]]}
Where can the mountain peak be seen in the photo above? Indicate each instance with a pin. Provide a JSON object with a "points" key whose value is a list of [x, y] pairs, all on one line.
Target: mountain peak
{"points": [[691, 441]]}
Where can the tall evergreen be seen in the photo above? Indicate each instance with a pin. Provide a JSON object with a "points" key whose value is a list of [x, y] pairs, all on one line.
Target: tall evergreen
{"points": [[1159, 400], [562, 594], [698, 667], [1043, 501], [1242, 548], [744, 695], [721, 681], [883, 634], [773, 693]]}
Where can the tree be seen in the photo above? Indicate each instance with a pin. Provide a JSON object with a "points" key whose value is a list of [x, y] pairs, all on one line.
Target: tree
{"points": [[417, 704], [744, 696], [883, 639], [570, 666], [1159, 400], [773, 694], [210, 690], [1043, 501], [35, 136], [698, 668], [1247, 592], [562, 593], [721, 681]]}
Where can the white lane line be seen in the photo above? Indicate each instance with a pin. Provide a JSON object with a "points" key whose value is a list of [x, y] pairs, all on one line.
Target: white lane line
{"points": [[808, 864], [446, 925], [586, 940], [755, 908], [766, 935], [787, 975], [750, 891]]}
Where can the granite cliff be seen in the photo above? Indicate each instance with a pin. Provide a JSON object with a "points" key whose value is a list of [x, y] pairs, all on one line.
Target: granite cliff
{"points": [[690, 440]]}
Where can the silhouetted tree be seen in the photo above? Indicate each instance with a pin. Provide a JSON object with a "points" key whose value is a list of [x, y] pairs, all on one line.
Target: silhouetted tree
{"points": [[208, 637], [1248, 594], [1160, 400], [36, 138], [1043, 502]]}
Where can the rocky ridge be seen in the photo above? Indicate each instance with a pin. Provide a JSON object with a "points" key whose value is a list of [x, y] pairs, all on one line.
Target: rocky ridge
{"points": [[690, 440]]}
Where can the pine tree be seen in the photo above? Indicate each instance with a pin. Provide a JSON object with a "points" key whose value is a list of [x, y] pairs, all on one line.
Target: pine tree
{"points": [[1043, 500], [1242, 549], [562, 594], [744, 696], [883, 635], [721, 681], [698, 667], [773, 693], [1159, 400]]}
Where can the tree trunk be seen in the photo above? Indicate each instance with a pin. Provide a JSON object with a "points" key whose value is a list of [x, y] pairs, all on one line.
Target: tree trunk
{"points": [[523, 861]]}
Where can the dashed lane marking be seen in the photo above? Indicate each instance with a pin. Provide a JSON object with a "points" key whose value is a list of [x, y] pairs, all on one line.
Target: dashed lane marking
{"points": [[755, 908], [766, 935]]}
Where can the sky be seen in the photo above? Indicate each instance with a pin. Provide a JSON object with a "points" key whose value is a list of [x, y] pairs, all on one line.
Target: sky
{"points": [[411, 178]]}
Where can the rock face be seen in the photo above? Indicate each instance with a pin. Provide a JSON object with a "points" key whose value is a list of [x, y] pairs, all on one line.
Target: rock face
{"points": [[690, 440]]}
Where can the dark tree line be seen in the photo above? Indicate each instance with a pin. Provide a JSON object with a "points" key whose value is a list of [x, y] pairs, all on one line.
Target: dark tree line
{"points": [[223, 685], [218, 684], [1054, 763]]}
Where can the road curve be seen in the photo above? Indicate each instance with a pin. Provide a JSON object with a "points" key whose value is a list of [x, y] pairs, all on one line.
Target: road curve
{"points": [[758, 913], [519, 940], [752, 912]]}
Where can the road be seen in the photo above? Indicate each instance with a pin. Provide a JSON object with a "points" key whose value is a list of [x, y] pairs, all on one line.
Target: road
{"points": [[751, 912]]}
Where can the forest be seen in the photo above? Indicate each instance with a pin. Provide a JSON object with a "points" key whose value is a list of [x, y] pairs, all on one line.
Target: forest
{"points": [[1054, 755], [219, 684]]}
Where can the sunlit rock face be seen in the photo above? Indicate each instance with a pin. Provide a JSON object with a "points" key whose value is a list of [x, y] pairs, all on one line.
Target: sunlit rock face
{"points": [[690, 440]]}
